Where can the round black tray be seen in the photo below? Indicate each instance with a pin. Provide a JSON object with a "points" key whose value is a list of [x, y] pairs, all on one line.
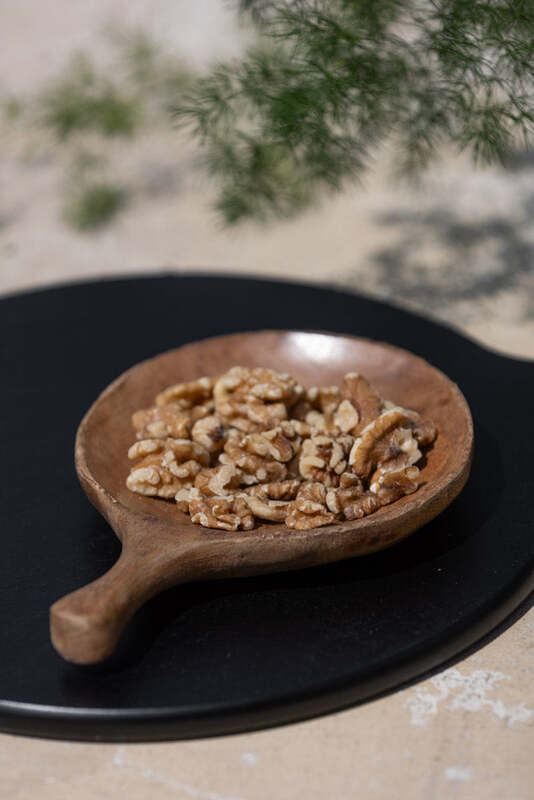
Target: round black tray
{"points": [[236, 655]]}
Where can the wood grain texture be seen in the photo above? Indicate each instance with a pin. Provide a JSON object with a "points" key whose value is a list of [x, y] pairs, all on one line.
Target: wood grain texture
{"points": [[160, 545]]}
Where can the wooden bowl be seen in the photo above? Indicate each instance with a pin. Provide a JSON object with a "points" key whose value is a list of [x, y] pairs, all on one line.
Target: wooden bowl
{"points": [[160, 545]]}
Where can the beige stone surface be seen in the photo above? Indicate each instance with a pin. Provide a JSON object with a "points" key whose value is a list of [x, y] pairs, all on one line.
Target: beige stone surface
{"points": [[460, 246]]}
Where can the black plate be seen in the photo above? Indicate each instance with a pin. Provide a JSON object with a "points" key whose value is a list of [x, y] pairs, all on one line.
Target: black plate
{"points": [[236, 655]]}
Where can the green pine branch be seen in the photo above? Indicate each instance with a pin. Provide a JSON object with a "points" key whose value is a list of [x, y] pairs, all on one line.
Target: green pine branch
{"points": [[330, 80]]}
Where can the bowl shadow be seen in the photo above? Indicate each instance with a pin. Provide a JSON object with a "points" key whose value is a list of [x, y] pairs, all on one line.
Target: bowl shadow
{"points": [[463, 520]]}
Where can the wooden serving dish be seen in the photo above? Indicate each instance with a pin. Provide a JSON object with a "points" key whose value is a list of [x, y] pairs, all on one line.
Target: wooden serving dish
{"points": [[160, 545]]}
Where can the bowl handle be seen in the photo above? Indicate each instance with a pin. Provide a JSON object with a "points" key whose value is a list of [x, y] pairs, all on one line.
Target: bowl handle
{"points": [[86, 625]]}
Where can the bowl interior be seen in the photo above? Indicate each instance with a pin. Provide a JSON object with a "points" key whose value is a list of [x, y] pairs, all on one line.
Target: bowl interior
{"points": [[313, 359]]}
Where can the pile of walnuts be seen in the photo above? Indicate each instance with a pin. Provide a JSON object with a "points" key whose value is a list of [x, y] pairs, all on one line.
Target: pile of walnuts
{"points": [[254, 445]]}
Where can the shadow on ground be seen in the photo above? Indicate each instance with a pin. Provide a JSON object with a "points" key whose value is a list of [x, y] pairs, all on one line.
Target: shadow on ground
{"points": [[454, 266]]}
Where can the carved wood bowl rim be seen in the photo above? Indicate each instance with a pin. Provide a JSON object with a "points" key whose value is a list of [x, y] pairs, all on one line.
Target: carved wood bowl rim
{"points": [[380, 529]]}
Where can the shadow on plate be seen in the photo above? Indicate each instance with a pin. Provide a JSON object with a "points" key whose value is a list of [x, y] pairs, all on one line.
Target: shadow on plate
{"points": [[458, 524]]}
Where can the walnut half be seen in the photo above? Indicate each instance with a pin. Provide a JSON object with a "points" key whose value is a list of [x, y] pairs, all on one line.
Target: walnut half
{"points": [[229, 513], [270, 501], [309, 510]]}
